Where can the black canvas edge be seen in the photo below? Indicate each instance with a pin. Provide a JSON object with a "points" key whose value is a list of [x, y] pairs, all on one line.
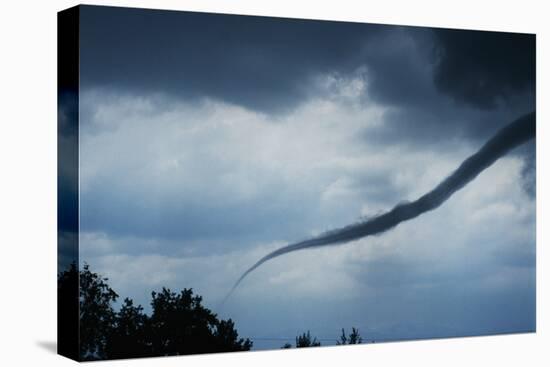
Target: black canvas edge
{"points": [[67, 181]]}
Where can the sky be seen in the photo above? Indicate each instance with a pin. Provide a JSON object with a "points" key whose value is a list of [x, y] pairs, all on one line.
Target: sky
{"points": [[207, 141]]}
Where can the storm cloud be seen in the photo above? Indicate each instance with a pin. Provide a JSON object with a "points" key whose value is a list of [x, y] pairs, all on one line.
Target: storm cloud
{"points": [[484, 68], [209, 140], [265, 60], [513, 135], [275, 63]]}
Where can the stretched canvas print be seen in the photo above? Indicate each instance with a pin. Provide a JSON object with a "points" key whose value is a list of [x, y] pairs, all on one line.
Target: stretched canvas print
{"points": [[234, 183]]}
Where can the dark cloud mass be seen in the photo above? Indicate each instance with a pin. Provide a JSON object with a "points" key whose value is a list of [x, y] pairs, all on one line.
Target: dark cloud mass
{"points": [[258, 62], [443, 82], [270, 65], [483, 68]]}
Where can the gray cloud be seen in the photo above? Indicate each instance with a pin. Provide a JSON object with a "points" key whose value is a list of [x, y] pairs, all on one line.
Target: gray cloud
{"points": [[528, 172], [196, 128], [265, 60], [188, 172], [421, 72], [510, 137]]}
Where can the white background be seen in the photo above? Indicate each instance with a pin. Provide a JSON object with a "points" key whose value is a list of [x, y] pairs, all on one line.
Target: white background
{"points": [[28, 181]]}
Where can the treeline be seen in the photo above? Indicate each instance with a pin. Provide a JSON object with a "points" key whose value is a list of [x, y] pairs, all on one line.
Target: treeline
{"points": [[179, 324], [305, 340]]}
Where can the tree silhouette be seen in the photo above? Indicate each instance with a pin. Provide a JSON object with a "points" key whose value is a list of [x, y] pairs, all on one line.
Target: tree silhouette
{"points": [[97, 316], [179, 323], [353, 338], [227, 339], [129, 336], [304, 341]]}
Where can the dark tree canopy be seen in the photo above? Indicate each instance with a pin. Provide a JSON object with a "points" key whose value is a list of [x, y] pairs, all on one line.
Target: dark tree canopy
{"points": [[305, 340], [179, 323], [97, 316], [353, 338], [129, 335]]}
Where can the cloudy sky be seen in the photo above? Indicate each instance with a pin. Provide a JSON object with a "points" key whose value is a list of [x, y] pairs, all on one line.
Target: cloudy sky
{"points": [[207, 141]]}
